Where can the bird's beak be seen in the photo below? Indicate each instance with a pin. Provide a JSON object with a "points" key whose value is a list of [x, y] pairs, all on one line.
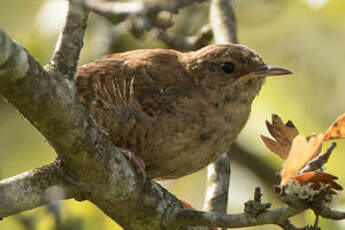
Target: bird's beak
{"points": [[272, 71], [263, 72]]}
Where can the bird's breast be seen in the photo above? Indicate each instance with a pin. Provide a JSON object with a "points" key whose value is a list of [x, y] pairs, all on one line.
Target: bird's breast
{"points": [[193, 146]]}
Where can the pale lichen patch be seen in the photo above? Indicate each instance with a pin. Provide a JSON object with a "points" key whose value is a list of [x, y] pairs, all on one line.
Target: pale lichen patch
{"points": [[5, 48], [21, 63], [13, 58]]}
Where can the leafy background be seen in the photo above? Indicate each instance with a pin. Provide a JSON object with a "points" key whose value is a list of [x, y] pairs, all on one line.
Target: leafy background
{"points": [[305, 36]]}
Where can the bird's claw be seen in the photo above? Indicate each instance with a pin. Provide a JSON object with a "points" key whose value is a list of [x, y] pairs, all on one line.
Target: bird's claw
{"points": [[136, 161]]}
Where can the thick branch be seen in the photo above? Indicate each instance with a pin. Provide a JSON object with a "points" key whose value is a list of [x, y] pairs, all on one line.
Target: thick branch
{"points": [[66, 55], [30, 190], [42, 97]]}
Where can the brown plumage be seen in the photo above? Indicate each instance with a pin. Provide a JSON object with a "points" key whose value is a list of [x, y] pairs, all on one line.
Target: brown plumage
{"points": [[176, 111]]}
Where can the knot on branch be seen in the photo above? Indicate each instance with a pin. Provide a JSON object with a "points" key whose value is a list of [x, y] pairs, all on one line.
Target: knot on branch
{"points": [[256, 207]]}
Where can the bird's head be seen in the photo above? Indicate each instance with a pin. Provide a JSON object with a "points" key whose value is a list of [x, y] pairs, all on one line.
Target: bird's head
{"points": [[232, 71]]}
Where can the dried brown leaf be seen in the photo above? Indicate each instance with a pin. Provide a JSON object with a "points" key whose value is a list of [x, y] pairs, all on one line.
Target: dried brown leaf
{"points": [[275, 147], [283, 135]]}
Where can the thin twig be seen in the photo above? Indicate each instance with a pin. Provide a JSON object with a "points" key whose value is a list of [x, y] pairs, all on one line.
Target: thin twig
{"points": [[199, 218], [217, 189], [141, 17], [220, 169], [320, 160], [328, 213], [117, 12], [223, 21], [197, 41], [286, 225]]}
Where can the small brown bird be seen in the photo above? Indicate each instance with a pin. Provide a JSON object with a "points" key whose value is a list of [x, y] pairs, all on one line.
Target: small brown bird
{"points": [[176, 111]]}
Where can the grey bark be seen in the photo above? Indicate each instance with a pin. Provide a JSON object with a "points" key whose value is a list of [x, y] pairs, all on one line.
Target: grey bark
{"points": [[31, 189]]}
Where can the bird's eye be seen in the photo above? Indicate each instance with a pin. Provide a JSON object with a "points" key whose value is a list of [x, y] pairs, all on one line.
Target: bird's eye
{"points": [[227, 67]]}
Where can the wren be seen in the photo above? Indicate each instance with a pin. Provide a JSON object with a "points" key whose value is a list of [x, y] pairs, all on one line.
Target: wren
{"points": [[176, 111]]}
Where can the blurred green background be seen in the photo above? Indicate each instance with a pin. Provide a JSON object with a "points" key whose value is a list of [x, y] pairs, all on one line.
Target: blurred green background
{"points": [[305, 36]]}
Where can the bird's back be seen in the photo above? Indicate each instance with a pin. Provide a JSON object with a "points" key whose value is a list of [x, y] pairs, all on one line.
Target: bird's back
{"points": [[147, 74]]}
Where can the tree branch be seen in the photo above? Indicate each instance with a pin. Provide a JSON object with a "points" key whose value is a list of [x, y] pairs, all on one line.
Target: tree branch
{"points": [[13, 59], [66, 56], [286, 225], [199, 218], [219, 172], [326, 212], [223, 21], [117, 12], [197, 41], [40, 96], [142, 17], [30, 189], [218, 176]]}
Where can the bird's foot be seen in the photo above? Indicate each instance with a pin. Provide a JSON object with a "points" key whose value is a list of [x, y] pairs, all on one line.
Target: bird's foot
{"points": [[137, 162]]}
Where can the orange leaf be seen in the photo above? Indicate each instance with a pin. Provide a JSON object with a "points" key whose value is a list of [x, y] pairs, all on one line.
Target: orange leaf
{"points": [[283, 135], [337, 129], [317, 179], [301, 152]]}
